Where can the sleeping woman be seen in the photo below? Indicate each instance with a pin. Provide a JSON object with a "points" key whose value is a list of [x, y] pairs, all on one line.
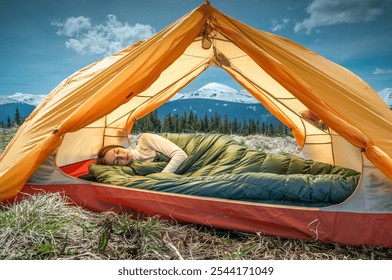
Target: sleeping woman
{"points": [[149, 147], [217, 166]]}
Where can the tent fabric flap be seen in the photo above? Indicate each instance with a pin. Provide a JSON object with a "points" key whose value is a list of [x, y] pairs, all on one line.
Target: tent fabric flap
{"points": [[90, 94], [354, 104]]}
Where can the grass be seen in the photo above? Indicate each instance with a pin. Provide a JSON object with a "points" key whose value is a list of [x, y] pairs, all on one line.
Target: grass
{"points": [[5, 137], [46, 226]]}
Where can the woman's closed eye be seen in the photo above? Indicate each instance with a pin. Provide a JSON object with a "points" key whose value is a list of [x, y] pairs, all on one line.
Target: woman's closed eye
{"points": [[115, 161]]}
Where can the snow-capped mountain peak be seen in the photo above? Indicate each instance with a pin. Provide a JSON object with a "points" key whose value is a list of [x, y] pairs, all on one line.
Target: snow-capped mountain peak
{"points": [[24, 98], [32, 99], [6, 100], [217, 91], [218, 87]]}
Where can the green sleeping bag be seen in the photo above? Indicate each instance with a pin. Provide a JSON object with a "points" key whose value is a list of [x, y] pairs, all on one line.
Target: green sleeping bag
{"points": [[218, 166]]}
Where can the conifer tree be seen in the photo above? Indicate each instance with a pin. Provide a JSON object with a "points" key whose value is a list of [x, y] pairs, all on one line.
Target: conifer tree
{"points": [[9, 123], [155, 122], [217, 123], [213, 124], [204, 123], [17, 118], [192, 122], [168, 124], [182, 123], [226, 126], [235, 126], [244, 127]]}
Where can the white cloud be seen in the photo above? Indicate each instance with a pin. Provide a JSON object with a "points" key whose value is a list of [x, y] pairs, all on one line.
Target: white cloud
{"points": [[380, 71], [332, 12], [106, 38], [276, 25], [72, 26]]}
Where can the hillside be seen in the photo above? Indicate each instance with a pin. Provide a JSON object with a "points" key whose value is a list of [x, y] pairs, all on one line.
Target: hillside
{"points": [[8, 111], [202, 107]]}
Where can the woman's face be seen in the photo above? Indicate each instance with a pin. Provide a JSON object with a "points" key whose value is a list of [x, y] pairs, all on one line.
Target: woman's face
{"points": [[118, 156]]}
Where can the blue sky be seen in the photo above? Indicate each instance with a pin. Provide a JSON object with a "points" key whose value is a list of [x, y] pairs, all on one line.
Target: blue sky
{"points": [[45, 41]]}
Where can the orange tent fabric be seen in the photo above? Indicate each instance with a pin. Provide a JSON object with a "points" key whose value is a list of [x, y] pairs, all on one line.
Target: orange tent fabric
{"points": [[98, 104]]}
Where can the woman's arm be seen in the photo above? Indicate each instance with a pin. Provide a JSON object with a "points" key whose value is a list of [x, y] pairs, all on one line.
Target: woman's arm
{"points": [[165, 146]]}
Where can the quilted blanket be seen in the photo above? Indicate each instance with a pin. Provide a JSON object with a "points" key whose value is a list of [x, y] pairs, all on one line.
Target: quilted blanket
{"points": [[219, 167]]}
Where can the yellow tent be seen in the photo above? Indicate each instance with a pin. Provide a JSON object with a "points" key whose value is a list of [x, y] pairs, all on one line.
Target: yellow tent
{"points": [[98, 105]]}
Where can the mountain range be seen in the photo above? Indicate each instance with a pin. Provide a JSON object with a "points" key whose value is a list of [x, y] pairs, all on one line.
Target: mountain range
{"points": [[207, 100], [25, 103], [217, 91], [216, 98]]}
